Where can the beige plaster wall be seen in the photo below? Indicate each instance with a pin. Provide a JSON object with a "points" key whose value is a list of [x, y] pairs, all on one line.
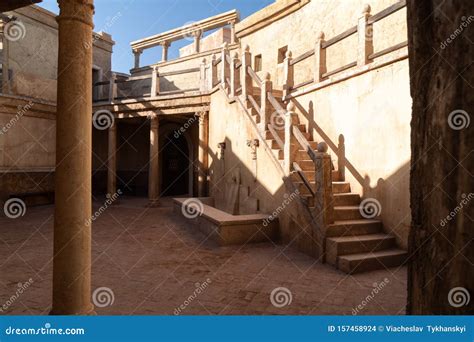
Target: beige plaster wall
{"points": [[210, 42], [298, 31]]}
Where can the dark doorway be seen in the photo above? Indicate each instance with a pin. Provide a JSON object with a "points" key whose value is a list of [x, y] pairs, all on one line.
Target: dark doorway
{"points": [[176, 163]]}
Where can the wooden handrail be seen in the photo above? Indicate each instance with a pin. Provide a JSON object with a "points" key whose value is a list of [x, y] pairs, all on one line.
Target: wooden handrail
{"points": [[386, 12], [254, 103], [228, 59], [344, 67], [339, 37], [254, 76], [277, 138], [180, 72], [275, 103], [302, 57], [388, 50], [305, 180], [238, 65], [302, 84], [304, 143], [217, 61]]}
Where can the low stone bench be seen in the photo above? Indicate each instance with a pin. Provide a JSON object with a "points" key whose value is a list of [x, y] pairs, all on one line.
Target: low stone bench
{"points": [[227, 229]]}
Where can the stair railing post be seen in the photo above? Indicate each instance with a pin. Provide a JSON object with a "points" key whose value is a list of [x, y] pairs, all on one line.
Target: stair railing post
{"points": [[319, 59], [202, 75], [155, 82], [365, 36], [234, 74], [290, 143], [112, 87], [323, 201], [266, 108], [212, 72], [288, 74], [341, 158], [246, 80], [225, 70]]}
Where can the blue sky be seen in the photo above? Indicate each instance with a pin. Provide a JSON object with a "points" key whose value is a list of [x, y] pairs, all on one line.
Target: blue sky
{"points": [[129, 20]]}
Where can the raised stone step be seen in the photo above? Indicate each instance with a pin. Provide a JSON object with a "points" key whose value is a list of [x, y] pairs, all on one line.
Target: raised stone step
{"points": [[363, 262], [349, 212], [344, 245], [346, 199], [341, 187], [354, 227]]}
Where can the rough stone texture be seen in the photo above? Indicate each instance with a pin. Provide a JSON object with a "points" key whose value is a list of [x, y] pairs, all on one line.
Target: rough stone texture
{"points": [[152, 260], [442, 160]]}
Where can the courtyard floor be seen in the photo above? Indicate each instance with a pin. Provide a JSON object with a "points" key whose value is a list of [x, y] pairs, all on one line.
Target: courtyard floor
{"points": [[154, 262]]}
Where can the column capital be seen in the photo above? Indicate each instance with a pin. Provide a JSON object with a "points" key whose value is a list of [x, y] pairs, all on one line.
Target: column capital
{"points": [[76, 10], [165, 43], [197, 34], [202, 117], [137, 51]]}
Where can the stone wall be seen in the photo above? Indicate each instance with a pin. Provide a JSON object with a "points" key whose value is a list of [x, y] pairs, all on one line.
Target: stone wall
{"points": [[209, 42], [440, 277]]}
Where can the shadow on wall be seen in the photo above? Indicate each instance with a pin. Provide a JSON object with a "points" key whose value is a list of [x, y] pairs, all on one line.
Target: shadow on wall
{"points": [[391, 193]]}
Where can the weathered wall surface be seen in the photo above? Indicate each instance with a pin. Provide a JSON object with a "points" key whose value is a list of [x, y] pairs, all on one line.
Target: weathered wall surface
{"points": [[298, 32], [372, 111], [441, 169]]}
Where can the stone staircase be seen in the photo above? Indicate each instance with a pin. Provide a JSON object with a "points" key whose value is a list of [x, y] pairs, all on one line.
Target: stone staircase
{"points": [[353, 243]]}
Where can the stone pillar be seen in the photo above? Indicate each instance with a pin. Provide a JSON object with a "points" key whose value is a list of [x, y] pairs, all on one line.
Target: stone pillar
{"points": [[234, 74], [225, 70], [112, 160], [197, 41], [288, 77], [233, 38], [245, 79], [202, 154], [112, 87], [72, 215], [154, 170], [319, 59], [266, 108], [155, 82], [364, 32], [137, 54], [164, 51], [290, 145], [4, 59], [212, 72]]}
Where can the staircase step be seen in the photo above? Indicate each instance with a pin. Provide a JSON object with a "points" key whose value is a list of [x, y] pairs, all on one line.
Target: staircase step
{"points": [[279, 154], [309, 199], [306, 165], [354, 227], [363, 262], [273, 144], [344, 245], [302, 187], [269, 135], [341, 187], [349, 212], [310, 176], [335, 176], [346, 199]]}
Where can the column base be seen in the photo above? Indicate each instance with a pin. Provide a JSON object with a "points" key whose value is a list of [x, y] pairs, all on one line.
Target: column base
{"points": [[153, 203], [90, 311]]}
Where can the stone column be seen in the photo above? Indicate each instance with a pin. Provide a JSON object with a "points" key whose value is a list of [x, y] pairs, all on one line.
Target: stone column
{"points": [[202, 154], [232, 33], [137, 54], [164, 51], [197, 41], [72, 215], [365, 36], [153, 176], [112, 160], [4, 59]]}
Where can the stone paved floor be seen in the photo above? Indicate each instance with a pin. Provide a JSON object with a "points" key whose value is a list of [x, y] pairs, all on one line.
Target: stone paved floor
{"points": [[154, 262]]}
